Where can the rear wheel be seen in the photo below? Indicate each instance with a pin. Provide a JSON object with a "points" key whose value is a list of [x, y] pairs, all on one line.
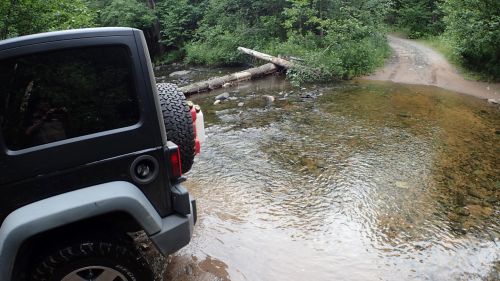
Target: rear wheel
{"points": [[93, 261], [178, 122], [95, 273]]}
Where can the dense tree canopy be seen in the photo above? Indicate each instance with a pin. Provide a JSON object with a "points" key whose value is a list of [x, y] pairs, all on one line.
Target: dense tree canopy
{"points": [[418, 17], [340, 38], [474, 29], [126, 13], [22, 17], [471, 28]]}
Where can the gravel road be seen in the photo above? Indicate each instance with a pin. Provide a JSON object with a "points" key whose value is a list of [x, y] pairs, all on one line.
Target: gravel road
{"points": [[414, 63]]}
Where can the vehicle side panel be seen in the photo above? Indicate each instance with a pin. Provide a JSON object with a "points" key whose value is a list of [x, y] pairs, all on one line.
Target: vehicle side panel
{"points": [[39, 172]]}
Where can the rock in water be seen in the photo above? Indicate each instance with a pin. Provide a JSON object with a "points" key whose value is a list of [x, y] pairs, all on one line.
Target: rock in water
{"points": [[179, 73], [402, 184], [216, 102], [269, 99], [241, 104], [222, 96], [493, 101]]}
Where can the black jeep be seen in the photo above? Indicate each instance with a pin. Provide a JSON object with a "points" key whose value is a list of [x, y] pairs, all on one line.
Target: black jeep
{"points": [[91, 149]]}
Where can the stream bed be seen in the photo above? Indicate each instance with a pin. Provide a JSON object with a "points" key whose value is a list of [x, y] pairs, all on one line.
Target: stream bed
{"points": [[355, 181]]}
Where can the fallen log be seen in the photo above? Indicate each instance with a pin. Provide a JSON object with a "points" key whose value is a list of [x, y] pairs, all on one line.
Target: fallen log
{"points": [[286, 64], [277, 61], [217, 82]]}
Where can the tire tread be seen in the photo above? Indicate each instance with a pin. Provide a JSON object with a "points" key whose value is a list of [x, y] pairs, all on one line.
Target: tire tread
{"points": [[178, 122]]}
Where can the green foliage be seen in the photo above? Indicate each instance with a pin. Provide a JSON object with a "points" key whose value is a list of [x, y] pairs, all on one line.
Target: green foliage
{"points": [[179, 21], [474, 29], [471, 30], [419, 18], [336, 40], [227, 24], [24, 17], [129, 13], [218, 46], [170, 56]]}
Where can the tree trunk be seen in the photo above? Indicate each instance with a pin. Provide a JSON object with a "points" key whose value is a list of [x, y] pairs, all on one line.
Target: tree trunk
{"points": [[278, 61], [217, 82]]}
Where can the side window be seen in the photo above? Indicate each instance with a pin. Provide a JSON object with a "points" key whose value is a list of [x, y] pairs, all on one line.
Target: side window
{"points": [[47, 97]]}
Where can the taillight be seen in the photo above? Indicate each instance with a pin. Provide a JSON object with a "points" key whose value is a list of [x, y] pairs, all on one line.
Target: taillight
{"points": [[175, 161], [174, 155]]}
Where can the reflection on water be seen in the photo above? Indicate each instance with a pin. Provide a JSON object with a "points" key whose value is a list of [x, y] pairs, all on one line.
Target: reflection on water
{"points": [[363, 181]]}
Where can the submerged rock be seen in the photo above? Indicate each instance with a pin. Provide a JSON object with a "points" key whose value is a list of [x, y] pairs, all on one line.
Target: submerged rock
{"points": [[222, 96], [480, 194], [462, 211], [492, 199], [320, 163], [269, 99], [402, 184], [179, 73], [310, 95]]}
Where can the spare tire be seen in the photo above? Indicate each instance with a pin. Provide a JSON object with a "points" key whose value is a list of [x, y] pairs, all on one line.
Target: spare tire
{"points": [[178, 122]]}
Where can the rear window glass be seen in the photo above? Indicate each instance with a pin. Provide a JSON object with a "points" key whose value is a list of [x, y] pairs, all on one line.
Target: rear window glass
{"points": [[48, 97]]}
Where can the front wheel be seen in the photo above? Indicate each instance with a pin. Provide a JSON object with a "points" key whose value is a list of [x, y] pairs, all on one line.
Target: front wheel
{"points": [[93, 261]]}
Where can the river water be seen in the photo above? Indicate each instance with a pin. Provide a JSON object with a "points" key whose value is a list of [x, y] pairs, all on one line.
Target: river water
{"points": [[356, 181]]}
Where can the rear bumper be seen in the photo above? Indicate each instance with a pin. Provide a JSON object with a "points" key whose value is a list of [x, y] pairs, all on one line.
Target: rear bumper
{"points": [[177, 229]]}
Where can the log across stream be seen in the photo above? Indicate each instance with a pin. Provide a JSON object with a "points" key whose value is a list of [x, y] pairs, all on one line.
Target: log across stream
{"points": [[275, 64], [218, 82]]}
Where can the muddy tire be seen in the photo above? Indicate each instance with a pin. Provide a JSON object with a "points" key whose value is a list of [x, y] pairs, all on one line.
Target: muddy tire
{"points": [[178, 122], [93, 260]]}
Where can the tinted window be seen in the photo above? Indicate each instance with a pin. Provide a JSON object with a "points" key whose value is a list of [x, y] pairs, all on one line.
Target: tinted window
{"points": [[48, 97]]}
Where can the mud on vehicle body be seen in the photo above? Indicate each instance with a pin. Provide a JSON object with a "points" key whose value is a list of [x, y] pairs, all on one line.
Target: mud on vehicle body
{"points": [[90, 151]]}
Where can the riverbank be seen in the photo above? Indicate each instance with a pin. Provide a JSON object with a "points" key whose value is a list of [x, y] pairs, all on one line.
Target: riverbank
{"points": [[414, 63]]}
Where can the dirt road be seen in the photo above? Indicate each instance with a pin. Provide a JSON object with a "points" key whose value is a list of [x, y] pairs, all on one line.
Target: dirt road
{"points": [[414, 63]]}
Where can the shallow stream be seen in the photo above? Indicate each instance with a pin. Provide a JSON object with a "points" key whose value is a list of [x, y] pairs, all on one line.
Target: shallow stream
{"points": [[356, 181]]}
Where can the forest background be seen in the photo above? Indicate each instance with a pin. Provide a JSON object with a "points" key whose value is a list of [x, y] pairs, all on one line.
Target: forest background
{"points": [[339, 39]]}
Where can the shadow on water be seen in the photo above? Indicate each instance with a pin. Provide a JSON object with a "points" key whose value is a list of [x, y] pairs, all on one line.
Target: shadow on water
{"points": [[359, 181]]}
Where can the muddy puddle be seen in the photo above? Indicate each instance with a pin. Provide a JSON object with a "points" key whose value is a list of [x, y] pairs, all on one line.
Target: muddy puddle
{"points": [[359, 181]]}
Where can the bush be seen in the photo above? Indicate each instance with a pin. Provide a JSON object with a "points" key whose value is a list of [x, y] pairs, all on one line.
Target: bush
{"points": [[129, 13], [218, 45], [178, 20], [336, 40], [348, 48], [474, 30], [34, 16], [419, 18]]}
